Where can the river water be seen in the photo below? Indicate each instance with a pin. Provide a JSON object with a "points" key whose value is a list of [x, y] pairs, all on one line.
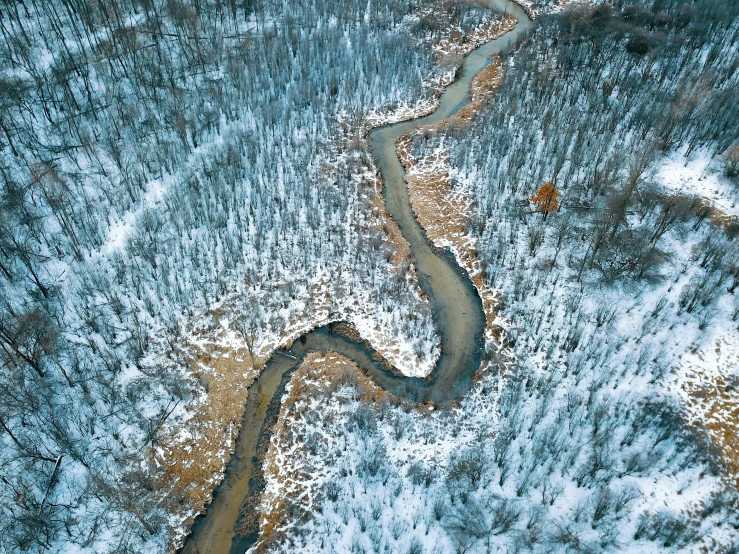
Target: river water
{"points": [[457, 308]]}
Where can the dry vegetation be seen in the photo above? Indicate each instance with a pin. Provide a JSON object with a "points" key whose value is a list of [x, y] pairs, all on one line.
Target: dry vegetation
{"points": [[195, 458], [356, 133], [704, 208], [195, 455], [710, 388], [712, 397], [452, 42]]}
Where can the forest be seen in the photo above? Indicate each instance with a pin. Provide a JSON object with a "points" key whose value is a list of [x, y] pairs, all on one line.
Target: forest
{"points": [[618, 310], [187, 186], [162, 160]]}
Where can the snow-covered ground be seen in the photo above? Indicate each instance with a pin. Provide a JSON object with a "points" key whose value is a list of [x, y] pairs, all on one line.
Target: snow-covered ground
{"points": [[536, 8], [580, 444], [169, 199], [700, 175], [160, 185]]}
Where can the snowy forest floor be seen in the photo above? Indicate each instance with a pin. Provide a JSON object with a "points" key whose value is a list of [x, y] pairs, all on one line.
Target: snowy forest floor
{"points": [[184, 189], [153, 255]]}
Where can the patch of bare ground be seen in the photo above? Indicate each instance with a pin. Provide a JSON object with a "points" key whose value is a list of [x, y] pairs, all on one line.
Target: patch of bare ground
{"points": [[442, 208], [710, 389], [710, 385]]}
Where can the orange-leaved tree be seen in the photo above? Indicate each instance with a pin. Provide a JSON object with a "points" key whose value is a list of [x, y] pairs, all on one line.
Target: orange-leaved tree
{"points": [[546, 199]]}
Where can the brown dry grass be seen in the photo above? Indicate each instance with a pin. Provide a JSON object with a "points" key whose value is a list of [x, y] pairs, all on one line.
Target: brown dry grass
{"points": [[713, 402], [189, 462], [720, 417], [704, 208], [714, 397]]}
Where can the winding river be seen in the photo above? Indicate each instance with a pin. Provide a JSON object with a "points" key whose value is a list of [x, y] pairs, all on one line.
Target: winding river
{"points": [[459, 318]]}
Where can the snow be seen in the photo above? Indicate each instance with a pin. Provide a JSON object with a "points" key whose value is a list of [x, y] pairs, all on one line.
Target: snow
{"points": [[597, 374], [699, 175], [180, 231], [538, 7], [641, 353], [147, 319], [121, 227]]}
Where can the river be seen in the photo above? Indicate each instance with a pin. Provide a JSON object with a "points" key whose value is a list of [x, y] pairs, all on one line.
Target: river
{"points": [[459, 319]]}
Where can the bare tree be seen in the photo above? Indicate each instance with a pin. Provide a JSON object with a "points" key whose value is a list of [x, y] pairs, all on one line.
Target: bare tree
{"points": [[249, 324]]}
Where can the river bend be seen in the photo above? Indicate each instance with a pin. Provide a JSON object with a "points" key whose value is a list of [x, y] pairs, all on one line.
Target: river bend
{"points": [[457, 308]]}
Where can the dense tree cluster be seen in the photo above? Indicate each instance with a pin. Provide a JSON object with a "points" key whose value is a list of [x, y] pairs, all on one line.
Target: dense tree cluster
{"points": [[586, 111], [571, 465], [157, 157], [600, 303]]}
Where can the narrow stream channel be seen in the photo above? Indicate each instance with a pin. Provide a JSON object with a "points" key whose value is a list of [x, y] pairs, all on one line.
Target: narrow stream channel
{"points": [[459, 319]]}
